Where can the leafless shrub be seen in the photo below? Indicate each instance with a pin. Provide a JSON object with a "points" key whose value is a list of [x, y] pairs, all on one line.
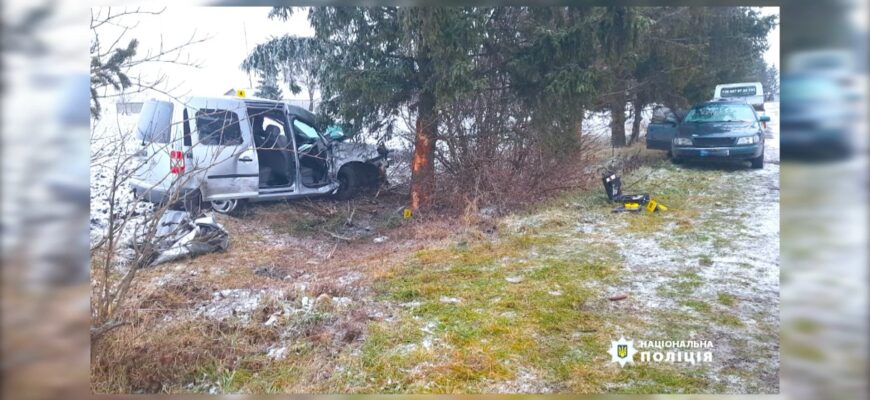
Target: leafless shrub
{"points": [[114, 58], [494, 156]]}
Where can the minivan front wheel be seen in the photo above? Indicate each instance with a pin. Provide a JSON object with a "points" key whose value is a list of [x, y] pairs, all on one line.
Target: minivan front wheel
{"points": [[347, 184], [227, 206]]}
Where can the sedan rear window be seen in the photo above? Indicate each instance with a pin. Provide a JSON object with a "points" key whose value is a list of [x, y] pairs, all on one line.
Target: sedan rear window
{"points": [[721, 113], [218, 127]]}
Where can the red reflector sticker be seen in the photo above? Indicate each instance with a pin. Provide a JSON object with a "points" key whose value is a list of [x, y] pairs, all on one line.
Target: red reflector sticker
{"points": [[176, 162]]}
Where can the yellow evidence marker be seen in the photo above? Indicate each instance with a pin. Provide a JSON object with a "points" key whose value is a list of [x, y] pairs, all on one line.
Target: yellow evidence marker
{"points": [[652, 205]]}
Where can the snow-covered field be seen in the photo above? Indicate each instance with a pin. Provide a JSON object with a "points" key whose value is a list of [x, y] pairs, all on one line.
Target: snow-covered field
{"points": [[111, 145]]}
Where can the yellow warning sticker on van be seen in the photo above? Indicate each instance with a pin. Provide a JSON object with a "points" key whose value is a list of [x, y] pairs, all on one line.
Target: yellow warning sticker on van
{"points": [[241, 93]]}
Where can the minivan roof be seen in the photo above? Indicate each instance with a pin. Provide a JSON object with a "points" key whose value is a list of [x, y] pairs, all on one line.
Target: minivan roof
{"points": [[257, 102]]}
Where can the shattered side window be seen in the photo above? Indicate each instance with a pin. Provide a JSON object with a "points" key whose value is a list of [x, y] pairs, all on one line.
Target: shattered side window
{"points": [[218, 128], [306, 131]]}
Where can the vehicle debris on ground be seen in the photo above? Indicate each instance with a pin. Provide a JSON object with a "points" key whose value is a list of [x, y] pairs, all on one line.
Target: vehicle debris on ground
{"points": [[179, 236]]}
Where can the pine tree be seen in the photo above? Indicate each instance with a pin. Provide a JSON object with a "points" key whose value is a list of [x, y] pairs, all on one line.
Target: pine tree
{"points": [[381, 60], [268, 88], [110, 72], [297, 58]]}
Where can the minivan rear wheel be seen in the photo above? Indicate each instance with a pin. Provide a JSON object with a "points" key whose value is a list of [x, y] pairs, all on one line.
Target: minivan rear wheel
{"points": [[227, 206]]}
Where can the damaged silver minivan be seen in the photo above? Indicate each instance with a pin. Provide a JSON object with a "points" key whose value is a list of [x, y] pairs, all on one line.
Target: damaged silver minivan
{"points": [[225, 151]]}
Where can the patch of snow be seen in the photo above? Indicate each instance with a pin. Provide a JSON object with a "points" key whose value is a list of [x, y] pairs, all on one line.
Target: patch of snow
{"points": [[342, 302], [228, 303], [380, 239], [277, 353], [525, 380], [450, 300]]}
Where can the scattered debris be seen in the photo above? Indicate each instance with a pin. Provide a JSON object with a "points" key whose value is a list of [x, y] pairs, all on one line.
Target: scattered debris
{"points": [[618, 297], [514, 279], [177, 236]]}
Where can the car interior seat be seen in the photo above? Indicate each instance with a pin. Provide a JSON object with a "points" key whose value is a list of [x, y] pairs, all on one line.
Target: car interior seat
{"points": [[275, 157]]}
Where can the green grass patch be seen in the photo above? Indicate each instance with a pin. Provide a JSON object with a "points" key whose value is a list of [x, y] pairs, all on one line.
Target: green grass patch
{"points": [[726, 299], [697, 305], [479, 327], [727, 320]]}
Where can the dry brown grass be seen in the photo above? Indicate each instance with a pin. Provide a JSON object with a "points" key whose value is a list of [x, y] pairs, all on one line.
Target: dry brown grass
{"points": [[154, 357]]}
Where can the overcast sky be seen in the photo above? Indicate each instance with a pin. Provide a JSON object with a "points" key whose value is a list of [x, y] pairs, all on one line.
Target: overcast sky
{"points": [[233, 31]]}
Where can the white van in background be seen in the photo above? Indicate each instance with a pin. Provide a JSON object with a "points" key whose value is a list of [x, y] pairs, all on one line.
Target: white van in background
{"points": [[750, 92]]}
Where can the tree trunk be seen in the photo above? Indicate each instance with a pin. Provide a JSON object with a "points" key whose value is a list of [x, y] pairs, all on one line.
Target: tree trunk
{"points": [[637, 109], [617, 122], [311, 100], [423, 164]]}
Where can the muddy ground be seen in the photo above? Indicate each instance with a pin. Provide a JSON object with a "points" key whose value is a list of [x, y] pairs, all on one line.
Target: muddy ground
{"points": [[328, 296]]}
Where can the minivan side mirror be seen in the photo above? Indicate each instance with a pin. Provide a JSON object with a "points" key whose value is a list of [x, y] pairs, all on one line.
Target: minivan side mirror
{"points": [[764, 118]]}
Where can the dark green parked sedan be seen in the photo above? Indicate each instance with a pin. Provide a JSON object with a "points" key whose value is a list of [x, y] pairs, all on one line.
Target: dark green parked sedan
{"points": [[720, 130]]}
